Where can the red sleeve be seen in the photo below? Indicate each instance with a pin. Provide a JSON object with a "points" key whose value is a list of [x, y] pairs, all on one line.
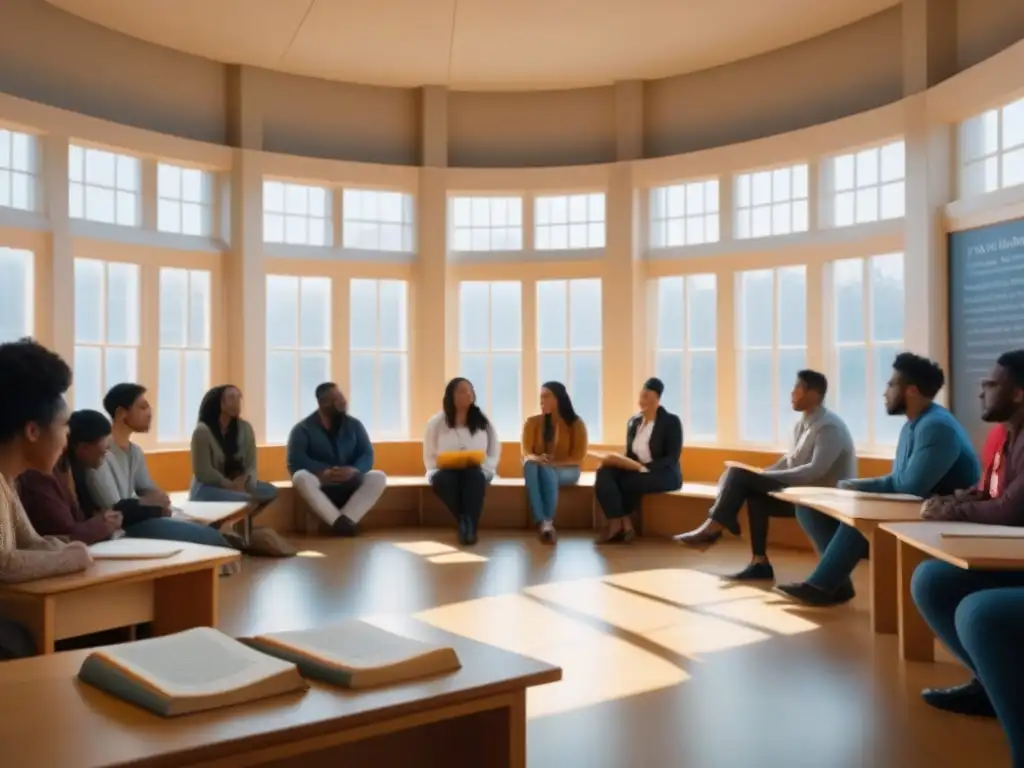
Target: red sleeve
{"points": [[993, 444], [53, 513]]}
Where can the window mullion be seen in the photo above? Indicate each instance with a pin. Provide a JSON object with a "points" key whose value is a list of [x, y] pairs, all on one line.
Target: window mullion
{"points": [[866, 305]]}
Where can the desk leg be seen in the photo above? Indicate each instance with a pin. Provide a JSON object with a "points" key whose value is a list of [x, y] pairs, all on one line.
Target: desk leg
{"points": [[917, 643], [884, 604], [185, 601], [517, 731]]}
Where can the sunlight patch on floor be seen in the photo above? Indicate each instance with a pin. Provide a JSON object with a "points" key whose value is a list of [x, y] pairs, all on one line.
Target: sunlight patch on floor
{"points": [[683, 586], [424, 548], [772, 613], [450, 558]]}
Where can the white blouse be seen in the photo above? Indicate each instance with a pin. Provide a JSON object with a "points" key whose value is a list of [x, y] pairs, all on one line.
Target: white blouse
{"points": [[642, 442], [440, 438]]}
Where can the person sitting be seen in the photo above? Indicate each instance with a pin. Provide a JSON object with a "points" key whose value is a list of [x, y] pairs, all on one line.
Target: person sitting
{"points": [[33, 432], [979, 615], [654, 439], [461, 426], [224, 453], [554, 444], [821, 453], [330, 459], [933, 455], [124, 474]]}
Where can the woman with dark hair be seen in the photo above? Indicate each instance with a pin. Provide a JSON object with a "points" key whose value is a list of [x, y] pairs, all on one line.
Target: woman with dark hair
{"points": [[224, 452], [554, 444], [461, 427]]}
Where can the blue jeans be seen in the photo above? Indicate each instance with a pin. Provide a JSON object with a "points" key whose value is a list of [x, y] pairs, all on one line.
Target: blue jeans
{"points": [[839, 548], [170, 529], [263, 493], [979, 616], [542, 483]]}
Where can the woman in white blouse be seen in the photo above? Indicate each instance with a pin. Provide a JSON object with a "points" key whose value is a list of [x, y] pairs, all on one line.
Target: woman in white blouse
{"points": [[461, 426]]}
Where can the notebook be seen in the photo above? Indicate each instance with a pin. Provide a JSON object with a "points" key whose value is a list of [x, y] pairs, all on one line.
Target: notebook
{"points": [[191, 671], [981, 533], [134, 549], [616, 460], [847, 493], [355, 654], [460, 459], [741, 465]]}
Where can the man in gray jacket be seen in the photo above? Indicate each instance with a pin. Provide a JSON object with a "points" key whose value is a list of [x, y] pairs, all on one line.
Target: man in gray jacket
{"points": [[822, 454]]}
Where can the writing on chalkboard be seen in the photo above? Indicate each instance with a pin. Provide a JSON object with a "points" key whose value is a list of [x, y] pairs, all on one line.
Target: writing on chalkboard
{"points": [[986, 311]]}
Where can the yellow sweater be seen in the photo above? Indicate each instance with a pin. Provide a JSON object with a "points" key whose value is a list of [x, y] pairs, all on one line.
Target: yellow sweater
{"points": [[569, 445]]}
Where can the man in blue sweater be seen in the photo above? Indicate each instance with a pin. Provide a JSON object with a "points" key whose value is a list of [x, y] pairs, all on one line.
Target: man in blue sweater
{"points": [[934, 455], [330, 459]]}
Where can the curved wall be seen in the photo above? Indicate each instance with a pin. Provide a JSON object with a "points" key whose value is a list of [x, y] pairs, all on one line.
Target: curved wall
{"points": [[52, 57]]}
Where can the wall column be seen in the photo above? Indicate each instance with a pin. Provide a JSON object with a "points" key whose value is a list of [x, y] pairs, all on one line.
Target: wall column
{"points": [[434, 349], [929, 56], [243, 293], [624, 301], [61, 270]]}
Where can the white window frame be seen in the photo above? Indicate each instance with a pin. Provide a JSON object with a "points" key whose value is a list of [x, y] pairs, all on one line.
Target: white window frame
{"points": [[992, 163], [377, 351], [699, 223], [173, 207], [288, 216], [512, 213], [575, 230], [861, 192], [778, 203], [351, 217], [18, 173], [122, 192]]}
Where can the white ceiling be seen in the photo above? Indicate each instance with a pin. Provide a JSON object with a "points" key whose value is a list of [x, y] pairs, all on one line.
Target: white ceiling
{"points": [[476, 44]]}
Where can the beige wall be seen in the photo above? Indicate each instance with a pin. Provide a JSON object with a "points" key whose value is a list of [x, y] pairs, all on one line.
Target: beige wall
{"points": [[985, 27]]}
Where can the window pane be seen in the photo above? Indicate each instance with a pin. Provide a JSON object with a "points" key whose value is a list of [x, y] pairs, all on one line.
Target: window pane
{"points": [[392, 334], [552, 314], [792, 306], [173, 308], [197, 381], [852, 401], [668, 366], [702, 303], [282, 311], [315, 313], [122, 303], [89, 280], [757, 424], [88, 384], [553, 366], [474, 368], [314, 370], [585, 389], [362, 388], [474, 316], [506, 389], [506, 319], [585, 314], [169, 417], [199, 308], [392, 397], [848, 292], [703, 396], [363, 314], [16, 289], [121, 366], [887, 297], [756, 308], [790, 361], [282, 395], [670, 314], [887, 428], [1013, 124]]}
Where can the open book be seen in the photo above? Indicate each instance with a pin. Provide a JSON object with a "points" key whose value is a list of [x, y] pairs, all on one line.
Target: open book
{"points": [[190, 671], [847, 493], [134, 549], [355, 654], [607, 458], [460, 459]]}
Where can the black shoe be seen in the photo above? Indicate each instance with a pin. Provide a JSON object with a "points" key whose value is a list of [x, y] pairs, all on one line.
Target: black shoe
{"points": [[805, 593], [470, 532], [463, 529], [755, 572], [698, 539], [967, 699], [344, 527]]}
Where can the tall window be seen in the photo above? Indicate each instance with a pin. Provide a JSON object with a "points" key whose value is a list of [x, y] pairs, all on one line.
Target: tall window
{"points": [[684, 214], [868, 185], [685, 351], [771, 202], [867, 333], [379, 356], [298, 349], [17, 289], [491, 349], [103, 186], [184, 204], [487, 223], [17, 170], [297, 214], [569, 221], [184, 362], [569, 342], [771, 347], [992, 150], [106, 328], [377, 221]]}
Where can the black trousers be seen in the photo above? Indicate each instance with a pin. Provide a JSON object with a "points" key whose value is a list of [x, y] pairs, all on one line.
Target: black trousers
{"points": [[461, 490], [340, 493], [16, 641], [618, 491], [741, 486]]}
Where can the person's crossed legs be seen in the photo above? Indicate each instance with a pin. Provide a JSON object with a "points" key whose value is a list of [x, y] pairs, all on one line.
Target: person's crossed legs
{"points": [[341, 505]]}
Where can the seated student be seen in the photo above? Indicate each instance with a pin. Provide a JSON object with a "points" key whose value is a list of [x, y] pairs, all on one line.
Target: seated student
{"points": [[461, 426], [33, 418], [822, 453], [224, 452], [123, 474], [992, 466], [554, 443], [654, 438], [979, 615], [933, 455], [330, 459]]}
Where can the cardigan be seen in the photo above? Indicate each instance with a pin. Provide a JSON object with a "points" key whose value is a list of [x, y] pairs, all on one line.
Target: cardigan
{"points": [[440, 438], [569, 445], [313, 449], [208, 457]]}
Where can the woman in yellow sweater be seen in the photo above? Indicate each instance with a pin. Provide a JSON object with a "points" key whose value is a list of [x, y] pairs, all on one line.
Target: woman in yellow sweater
{"points": [[554, 444]]}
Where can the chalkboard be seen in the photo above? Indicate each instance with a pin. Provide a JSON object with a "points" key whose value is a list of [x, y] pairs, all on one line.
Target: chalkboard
{"points": [[986, 311]]}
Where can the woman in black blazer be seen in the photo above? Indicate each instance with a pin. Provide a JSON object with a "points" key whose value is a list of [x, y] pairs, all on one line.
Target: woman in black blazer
{"points": [[654, 438]]}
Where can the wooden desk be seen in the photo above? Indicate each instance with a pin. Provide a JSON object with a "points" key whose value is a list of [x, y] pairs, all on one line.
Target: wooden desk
{"points": [[174, 593], [916, 542], [212, 512], [865, 515], [473, 718]]}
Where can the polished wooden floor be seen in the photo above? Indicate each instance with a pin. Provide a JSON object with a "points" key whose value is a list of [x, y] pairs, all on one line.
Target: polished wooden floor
{"points": [[665, 664]]}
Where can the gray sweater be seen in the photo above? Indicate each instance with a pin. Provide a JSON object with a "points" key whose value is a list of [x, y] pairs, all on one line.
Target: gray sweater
{"points": [[208, 457], [822, 453], [124, 475]]}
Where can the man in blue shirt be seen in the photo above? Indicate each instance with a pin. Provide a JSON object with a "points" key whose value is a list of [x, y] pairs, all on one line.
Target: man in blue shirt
{"points": [[934, 455], [330, 459]]}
